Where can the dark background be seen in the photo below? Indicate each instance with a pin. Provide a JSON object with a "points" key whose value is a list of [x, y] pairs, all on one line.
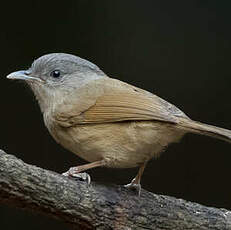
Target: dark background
{"points": [[179, 50]]}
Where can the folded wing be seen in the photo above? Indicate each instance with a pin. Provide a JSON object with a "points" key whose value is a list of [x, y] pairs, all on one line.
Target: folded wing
{"points": [[111, 100]]}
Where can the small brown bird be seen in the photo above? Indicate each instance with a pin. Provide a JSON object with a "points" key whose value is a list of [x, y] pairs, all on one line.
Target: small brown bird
{"points": [[103, 120]]}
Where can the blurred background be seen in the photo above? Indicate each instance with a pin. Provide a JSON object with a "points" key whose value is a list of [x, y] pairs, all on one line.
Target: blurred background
{"points": [[179, 50]]}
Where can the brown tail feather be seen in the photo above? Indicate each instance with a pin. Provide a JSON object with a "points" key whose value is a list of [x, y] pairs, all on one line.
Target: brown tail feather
{"points": [[204, 129]]}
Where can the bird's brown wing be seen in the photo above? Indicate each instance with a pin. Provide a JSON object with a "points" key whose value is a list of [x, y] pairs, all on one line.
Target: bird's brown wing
{"points": [[118, 101]]}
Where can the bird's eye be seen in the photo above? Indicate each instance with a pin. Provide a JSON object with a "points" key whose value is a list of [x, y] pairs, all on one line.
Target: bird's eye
{"points": [[55, 74]]}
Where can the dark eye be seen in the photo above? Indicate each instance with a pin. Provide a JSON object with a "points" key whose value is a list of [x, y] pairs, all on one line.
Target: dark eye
{"points": [[55, 74]]}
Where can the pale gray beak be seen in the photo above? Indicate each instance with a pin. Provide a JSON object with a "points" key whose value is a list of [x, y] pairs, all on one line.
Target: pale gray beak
{"points": [[22, 75]]}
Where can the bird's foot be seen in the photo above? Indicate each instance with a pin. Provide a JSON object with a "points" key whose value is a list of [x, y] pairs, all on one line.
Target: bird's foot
{"points": [[134, 186], [73, 173]]}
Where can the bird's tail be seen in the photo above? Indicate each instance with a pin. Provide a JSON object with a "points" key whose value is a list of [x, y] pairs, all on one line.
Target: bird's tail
{"points": [[204, 129]]}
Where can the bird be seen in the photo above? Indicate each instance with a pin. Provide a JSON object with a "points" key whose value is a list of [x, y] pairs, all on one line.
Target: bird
{"points": [[105, 121]]}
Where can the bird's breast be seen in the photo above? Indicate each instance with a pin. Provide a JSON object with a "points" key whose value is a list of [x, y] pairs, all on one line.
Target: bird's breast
{"points": [[120, 144]]}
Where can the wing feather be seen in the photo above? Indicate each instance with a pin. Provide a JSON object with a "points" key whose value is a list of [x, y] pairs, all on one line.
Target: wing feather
{"points": [[115, 101], [125, 106]]}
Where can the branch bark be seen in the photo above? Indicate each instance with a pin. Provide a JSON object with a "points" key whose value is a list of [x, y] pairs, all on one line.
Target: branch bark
{"points": [[97, 206]]}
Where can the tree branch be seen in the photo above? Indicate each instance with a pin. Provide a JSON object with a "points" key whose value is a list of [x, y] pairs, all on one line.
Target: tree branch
{"points": [[97, 206]]}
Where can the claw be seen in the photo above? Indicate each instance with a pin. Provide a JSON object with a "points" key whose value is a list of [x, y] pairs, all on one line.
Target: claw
{"points": [[134, 186], [72, 172]]}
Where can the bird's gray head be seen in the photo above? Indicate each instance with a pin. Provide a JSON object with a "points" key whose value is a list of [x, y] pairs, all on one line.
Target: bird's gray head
{"points": [[57, 73]]}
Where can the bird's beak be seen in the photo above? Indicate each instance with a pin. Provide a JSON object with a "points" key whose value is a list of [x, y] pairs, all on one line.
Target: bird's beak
{"points": [[22, 75]]}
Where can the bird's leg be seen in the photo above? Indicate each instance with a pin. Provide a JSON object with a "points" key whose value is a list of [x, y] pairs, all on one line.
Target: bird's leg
{"points": [[135, 183], [75, 171]]}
